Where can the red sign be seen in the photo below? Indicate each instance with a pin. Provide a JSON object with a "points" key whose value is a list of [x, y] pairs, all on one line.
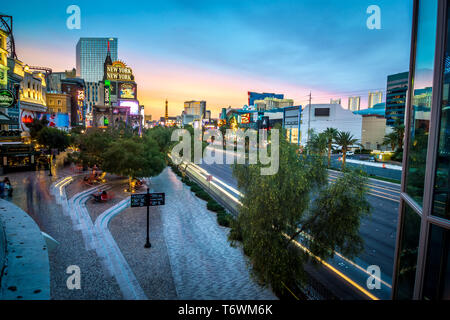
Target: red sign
{"points": [[245, 118]]}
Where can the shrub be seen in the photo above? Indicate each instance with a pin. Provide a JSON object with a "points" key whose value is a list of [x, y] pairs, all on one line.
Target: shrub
{"points": [[214, 206], [195, 188], [203, 195], [223, 219]]}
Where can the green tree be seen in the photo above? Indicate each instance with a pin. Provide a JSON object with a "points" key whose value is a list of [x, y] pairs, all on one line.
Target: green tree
{"points": [[276, 208], [331, 134], [345, 140], [36, 126], [399, 130], [395, 138], [390, 140], [162, 135], [134, 157], [52, 138], [317, 143], [92, 146]]}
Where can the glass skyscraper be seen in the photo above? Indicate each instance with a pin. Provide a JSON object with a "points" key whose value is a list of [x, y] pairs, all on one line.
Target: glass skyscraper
{"points": [[422, 263], [91, 55], [397, 87]]}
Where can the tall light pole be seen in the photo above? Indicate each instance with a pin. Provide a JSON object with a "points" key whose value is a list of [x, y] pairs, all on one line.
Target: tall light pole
{"points": [[309, 117]]}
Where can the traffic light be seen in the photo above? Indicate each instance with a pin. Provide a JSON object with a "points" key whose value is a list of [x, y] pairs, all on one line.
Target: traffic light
{"points": [[105, 121]]}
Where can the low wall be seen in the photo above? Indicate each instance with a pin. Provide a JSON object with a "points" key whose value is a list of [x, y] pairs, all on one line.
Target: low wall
{"points": [[26, 269]]}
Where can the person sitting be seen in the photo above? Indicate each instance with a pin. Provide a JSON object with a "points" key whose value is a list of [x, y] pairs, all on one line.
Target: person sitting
{"points": [[97, 196], [104, 196]]}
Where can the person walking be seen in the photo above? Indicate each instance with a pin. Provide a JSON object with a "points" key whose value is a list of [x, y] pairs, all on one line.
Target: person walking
{"points": [[8, 190]]}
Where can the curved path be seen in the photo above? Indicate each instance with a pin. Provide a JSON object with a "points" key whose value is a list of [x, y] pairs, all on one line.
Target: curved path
{"points": [[97, 236]]}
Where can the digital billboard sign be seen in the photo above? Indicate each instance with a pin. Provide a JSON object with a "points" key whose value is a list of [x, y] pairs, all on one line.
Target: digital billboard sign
{"points": [[132, 104], [127, 91]]}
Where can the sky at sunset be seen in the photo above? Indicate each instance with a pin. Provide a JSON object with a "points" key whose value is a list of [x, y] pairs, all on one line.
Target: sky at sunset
{"points": [[219, 50]]}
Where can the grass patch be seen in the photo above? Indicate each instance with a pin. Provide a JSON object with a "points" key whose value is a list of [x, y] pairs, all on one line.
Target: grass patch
{"points": [[385, 179]]}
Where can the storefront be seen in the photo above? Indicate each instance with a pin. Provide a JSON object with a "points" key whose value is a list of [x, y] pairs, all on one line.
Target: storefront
{"points": [[17, 156]]}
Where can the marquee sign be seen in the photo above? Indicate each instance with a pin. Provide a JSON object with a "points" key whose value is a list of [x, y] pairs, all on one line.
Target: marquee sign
{"points": [[119, 71]]}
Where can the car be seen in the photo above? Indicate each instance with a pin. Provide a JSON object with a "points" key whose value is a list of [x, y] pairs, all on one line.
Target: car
{"points": [[350, 153]]}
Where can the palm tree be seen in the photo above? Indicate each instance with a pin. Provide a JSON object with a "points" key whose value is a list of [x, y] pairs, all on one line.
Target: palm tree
{"points": [[330, 134], [317, 143], [399, 130], [394, 139], [345, 140], [391, 140]]}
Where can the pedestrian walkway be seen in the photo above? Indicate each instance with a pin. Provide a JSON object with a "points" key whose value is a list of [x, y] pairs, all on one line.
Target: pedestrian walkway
{"points": [[204, 265]]}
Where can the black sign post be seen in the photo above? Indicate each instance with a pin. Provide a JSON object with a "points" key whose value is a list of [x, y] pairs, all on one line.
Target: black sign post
{"points": [[148, 200], [147, 243]]}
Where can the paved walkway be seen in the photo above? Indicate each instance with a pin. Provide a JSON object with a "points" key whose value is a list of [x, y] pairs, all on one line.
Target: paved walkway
{"points": [[204, 265], [190, 256]]}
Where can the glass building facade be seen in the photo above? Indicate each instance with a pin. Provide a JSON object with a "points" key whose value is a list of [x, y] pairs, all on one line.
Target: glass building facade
{"points": [[91, 54], [422, 264], [396, 89]]}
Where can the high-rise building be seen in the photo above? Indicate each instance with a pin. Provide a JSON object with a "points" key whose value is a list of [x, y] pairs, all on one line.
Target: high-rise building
{"points": [[272, 103], [375, 98], [197, 108], [354, 103], [91, 54], [422, 258], [252, 96], [397, 86], [54, 80], [335, 101]]}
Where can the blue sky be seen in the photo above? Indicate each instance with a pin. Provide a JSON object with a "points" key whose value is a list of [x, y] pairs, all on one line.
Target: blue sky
{"points": [[219, 50]]}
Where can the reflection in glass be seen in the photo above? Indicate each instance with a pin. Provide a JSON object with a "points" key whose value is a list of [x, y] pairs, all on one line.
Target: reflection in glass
{"points": [[437, 275], [421, 99], [441, 200], [407, 262]]}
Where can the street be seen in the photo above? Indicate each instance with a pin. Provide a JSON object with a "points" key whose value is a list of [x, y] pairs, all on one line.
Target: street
{"points": [[377, 230]]}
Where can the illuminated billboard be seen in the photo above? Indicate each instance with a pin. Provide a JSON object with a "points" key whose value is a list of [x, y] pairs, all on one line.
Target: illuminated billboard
{"points": [[119, 71], [132, 104], [127, 91], [245, 118]]}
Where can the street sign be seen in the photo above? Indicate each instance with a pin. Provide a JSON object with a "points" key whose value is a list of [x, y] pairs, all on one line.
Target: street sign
{"points": [[148, 200], [138, 200], [154, 199], [157, 199]]}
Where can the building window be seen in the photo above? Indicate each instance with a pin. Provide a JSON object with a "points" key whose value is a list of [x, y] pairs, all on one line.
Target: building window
{"points": [[407, 259], [441, 198], [437, 274], [421, 99]]}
